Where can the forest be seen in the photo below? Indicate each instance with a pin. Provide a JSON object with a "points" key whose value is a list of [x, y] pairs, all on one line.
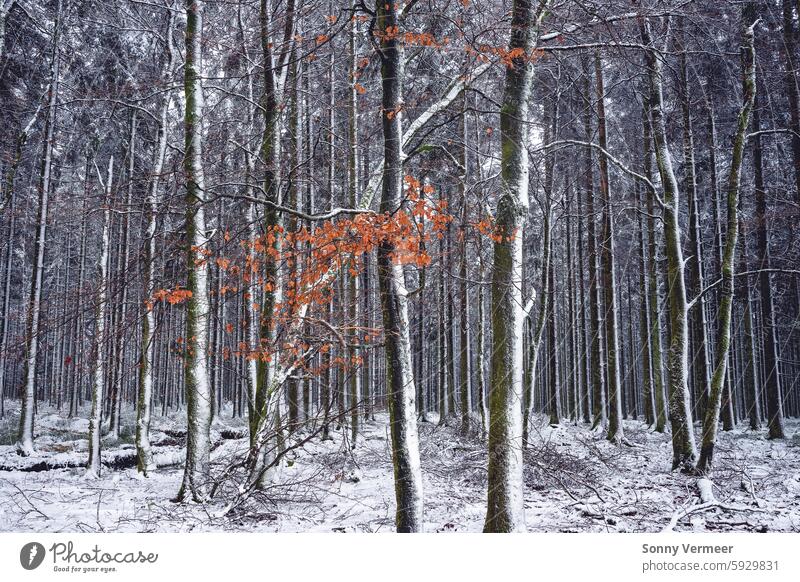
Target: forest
{"points": [[424, 266]]}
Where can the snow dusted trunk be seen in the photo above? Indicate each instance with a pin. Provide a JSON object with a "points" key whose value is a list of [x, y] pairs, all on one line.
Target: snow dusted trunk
{"points": [[545, 305], [701, 363], [505, 510], [464, 353], [117, 383], [145, 463], [265, 423], [6, 303], [644, 321], [24, 443], [8, 201], [394, 297], [684, 449], [99, 364], [599, 417], [197, 387], [251, 290], [480, 344], [652, 275], [711, 419], [614, 432], [352, 172]]}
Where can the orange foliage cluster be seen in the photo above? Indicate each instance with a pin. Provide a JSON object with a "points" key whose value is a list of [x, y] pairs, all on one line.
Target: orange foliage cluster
{"points": [[507, 57], [171, 296], [312, 257]]}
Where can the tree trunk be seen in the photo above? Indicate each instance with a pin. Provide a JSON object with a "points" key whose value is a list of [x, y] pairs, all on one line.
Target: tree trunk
{"points": [[394, 297], [145, 463], [197, 387], [615, 431], [684, 449], [772, 381], [729, 255], [24, 445], [99, 363], [505, 507]]}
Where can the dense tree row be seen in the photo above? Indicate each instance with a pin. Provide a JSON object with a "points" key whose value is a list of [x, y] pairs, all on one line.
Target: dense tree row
{"points": [[305, 212]]}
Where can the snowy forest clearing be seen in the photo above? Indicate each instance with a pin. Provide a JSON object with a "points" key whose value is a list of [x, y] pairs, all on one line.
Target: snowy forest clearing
{"points": [[575, 481]]}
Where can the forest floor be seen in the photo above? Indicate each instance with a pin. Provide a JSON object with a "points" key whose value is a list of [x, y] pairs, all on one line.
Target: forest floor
{"points": [[574, 482]]}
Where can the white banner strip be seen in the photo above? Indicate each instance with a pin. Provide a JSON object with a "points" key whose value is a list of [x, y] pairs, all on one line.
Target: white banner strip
{"points": [[388, 557]]}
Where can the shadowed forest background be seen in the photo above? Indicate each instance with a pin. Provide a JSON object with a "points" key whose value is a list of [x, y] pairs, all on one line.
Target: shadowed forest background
{"points": [[297, 265]]}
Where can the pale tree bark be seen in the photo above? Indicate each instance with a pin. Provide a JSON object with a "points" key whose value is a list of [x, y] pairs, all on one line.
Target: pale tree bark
{"points": [[480, 364], [198, 389], [24, 445], [393, 294], [145, 463], [684, 448], [99, 363], [711, 419], [505, 508], [544, 314], [251, 288]]}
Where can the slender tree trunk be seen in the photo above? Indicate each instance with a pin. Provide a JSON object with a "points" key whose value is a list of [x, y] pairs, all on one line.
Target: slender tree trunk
{"points": [[684, 448], [654, 329], [198, 391], [645, 323], [750, 384], [711, 419], [772, 380], [700, 361], [99, 363], [595, 346], [615, 431], [789, 44], [353, 287], [24, 444], [266, 420], [145, 463]]}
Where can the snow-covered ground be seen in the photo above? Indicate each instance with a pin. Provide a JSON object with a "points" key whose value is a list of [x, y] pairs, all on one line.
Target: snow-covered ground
{"points": [[575, 481]]}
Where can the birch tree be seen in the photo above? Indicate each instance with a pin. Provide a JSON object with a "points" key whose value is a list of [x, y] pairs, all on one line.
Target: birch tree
{"points": [[99, 364], [198, 390], [145, 463]]}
